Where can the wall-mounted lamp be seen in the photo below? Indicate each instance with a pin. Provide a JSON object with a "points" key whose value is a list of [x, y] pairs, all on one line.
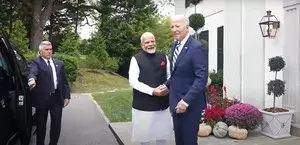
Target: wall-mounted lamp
{"points": [[269, 25]]}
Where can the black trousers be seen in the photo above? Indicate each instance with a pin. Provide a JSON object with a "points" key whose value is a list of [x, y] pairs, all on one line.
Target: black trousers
{"points": [[55, 110]]}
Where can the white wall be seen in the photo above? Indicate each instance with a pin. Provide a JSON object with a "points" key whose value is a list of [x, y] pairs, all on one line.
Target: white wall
{"points": [[291, 52], [179, 6], [213, 11]]}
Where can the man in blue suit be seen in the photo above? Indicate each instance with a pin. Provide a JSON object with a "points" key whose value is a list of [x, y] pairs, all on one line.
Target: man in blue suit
{"points": [[187, 83], [50, 91]]}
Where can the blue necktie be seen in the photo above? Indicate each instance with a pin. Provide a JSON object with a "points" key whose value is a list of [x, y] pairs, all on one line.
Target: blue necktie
{"points": [[176, 54], [51, 74]]}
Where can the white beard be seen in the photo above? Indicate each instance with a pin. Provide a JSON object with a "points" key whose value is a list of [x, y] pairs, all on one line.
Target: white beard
{"points": [[151, 51]]}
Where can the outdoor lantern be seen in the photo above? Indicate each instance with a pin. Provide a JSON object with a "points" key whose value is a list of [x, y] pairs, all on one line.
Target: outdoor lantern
{"points": [[269, 25]]}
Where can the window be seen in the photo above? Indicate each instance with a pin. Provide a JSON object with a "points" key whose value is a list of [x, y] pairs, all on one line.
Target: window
{"points": [[204, 35], [3, 64], [220, 45], [21, 61]]}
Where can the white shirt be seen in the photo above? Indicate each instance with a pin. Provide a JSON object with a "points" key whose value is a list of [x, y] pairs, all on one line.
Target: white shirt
{"points": [[134, 72], [53, 71]]}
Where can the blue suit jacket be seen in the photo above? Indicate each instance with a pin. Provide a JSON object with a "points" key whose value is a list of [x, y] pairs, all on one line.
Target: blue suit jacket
{"points": [[39, 71], [189, 77]]}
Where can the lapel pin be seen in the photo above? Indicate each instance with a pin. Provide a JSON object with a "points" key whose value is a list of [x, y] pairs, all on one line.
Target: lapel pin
{"points": [[56, 65], [185, 47]]}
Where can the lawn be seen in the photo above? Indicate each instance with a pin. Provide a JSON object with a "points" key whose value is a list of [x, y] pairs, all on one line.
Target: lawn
{"points": [[91, 81], [115, 105]]}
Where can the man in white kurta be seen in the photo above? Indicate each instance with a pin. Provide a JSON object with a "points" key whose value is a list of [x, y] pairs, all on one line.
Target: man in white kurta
{"points": [[151, 117]]}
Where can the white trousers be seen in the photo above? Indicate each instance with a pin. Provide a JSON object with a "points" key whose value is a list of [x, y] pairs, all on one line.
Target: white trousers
{"points": [[151, 125]]}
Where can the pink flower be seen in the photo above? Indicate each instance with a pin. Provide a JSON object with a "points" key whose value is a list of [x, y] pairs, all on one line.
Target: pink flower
{"points": [[243, 115]]}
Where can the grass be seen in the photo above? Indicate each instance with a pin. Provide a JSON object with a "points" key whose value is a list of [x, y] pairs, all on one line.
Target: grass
{"points": [[115, 105], [91, 81]]}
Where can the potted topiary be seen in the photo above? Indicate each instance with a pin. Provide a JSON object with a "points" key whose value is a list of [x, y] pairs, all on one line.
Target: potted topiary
{"points": [[276, 121]]}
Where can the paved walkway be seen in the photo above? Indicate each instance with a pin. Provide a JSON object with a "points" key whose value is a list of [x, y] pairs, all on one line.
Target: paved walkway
{"points": [[123, 129], [83, 124]]}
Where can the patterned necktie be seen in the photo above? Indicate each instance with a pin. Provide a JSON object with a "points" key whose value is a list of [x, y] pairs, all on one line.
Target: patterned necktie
{"points": [[51, 74], [176, 53]]}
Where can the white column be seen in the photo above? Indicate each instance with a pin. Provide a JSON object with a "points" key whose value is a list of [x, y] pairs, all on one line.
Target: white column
{"points": [[232, 47], [291, 51], [244, 51], [253, 53]]}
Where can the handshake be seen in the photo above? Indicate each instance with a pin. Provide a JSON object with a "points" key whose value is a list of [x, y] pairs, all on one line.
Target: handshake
{"points": [[161, 90]]}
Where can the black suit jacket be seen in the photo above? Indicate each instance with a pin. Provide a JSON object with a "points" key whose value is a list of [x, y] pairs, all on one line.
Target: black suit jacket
{"points": [[41, 92]]}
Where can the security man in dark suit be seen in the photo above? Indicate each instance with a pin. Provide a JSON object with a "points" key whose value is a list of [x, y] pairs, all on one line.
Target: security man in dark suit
{"points": [[50, 91]]}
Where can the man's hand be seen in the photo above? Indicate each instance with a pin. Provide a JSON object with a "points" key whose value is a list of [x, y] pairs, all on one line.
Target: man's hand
{"points": [[161, 90], [67, 101], [180, 108], [31, 83]]}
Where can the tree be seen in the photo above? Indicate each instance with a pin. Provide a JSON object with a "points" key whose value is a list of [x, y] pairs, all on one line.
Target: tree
{"points": [[195, 2], [276, 86], [19, 36], [41, 11], [197, 21], [70, 44]]}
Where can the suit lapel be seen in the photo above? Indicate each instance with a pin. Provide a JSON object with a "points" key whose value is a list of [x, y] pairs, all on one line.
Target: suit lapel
{"points": [[182, 52]]}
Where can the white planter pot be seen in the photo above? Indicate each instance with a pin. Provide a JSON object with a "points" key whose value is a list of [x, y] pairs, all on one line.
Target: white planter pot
{"points": [[276, 125]]}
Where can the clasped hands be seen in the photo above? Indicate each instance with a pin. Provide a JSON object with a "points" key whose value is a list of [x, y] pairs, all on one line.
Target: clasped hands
{"points": [[161, 90]]}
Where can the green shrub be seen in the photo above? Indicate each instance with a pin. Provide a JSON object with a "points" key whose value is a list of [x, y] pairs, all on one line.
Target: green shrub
{"points": [[91, 62], [204, 43], [70, 44], [197, 21], [217, 78], [70, 65], [111, 64], [30, 55]]}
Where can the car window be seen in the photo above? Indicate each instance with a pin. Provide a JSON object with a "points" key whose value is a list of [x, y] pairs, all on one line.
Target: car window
{"points": [[2, 62], [21, 61]]}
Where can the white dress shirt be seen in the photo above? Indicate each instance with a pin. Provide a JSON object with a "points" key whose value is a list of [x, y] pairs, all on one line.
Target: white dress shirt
{"points": [[134, 72], [53, 71]]}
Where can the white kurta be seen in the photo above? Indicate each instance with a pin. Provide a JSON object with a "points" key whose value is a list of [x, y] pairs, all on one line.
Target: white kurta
{"points": [[148, 125]]}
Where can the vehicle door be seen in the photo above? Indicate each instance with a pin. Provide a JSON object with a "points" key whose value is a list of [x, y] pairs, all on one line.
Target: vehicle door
{"points": [[20, 100]]}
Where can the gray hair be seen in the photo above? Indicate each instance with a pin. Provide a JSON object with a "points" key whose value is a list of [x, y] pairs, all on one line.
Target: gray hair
{"points": [[145, 34], [181, 18], [43, 43]]}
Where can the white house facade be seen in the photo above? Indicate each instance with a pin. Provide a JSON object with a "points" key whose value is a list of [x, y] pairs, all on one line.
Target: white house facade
{"points": [[236, 45]]}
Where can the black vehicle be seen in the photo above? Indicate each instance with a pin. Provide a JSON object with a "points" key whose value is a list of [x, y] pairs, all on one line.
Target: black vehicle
{"points": [[15, 102]]}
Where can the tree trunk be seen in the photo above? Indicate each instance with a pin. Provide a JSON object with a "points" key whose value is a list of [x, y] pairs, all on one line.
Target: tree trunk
{"points": [[36, 35], [40, 16]]}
